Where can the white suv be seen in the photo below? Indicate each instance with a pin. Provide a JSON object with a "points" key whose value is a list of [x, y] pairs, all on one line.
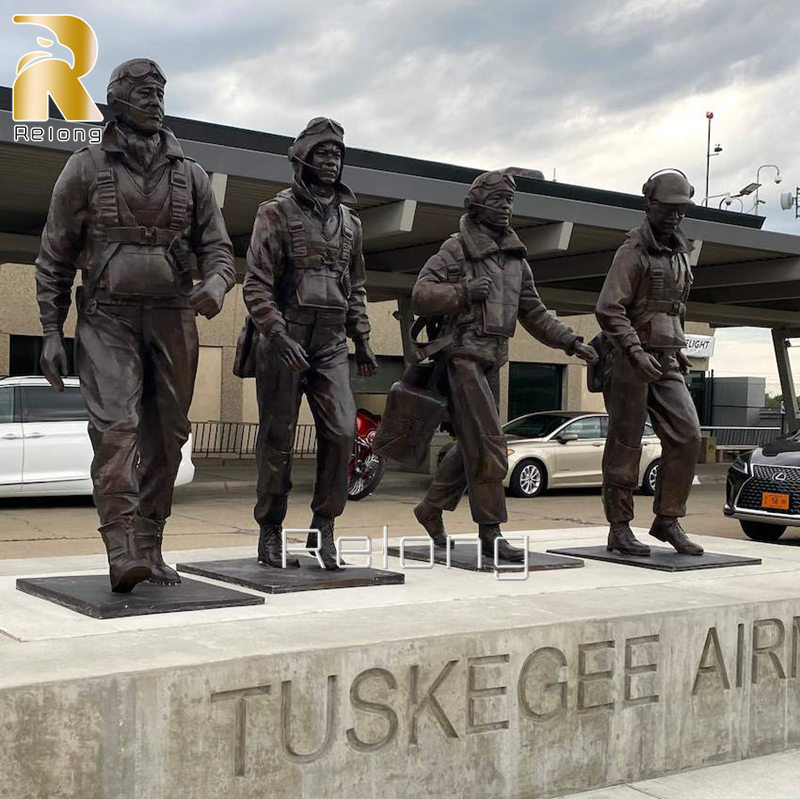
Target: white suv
{"points": [[44, 442]]}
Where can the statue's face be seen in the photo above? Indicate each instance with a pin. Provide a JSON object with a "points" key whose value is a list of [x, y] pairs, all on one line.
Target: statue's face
{"points": [[665, 217], [145, 113], [326, 163], [496, 209]]}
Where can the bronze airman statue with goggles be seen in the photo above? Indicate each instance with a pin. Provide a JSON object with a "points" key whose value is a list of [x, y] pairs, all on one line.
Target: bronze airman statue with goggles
{"points": [[479, 285], [129, 212]]}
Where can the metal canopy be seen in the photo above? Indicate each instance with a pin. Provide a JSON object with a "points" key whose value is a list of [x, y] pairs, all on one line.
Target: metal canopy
{"points": [[743, 275]]}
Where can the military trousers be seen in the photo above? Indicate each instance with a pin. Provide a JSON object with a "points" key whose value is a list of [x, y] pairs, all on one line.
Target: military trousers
{"points": [[478, 461], [280, 389], [137, 366], [629, 399]]}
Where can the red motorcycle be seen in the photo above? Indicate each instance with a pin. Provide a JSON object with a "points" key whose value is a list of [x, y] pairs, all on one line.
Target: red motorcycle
{"points": [[366, 467]]}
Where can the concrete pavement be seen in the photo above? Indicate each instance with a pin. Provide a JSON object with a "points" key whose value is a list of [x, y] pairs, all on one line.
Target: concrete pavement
{"points": [[216, 510], [770, 777]]}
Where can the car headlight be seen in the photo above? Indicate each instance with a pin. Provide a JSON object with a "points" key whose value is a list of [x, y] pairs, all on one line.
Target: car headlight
{"points": [[741, 465]]}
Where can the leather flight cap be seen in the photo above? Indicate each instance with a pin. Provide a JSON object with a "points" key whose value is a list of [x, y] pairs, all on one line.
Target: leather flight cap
{"points": [[488, 182], [136, 69]]}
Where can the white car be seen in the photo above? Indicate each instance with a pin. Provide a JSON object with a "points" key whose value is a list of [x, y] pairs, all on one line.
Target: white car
{"points": [[564, 449], [44, 441]]}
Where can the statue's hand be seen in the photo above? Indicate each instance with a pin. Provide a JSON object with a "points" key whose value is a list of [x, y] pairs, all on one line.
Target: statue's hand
{"points": [[365, 358], [54, 360], [290, 353], [207, 296], [478, 288], [684, 364], [585, 352], [646, 365]]}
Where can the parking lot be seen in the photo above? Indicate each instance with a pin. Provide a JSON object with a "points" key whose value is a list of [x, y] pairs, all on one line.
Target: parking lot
{"points": [[216, 510]]}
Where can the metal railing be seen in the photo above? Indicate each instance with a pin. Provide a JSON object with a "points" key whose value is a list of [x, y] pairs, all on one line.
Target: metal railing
{"points": [[238, 439], [742, 438]]}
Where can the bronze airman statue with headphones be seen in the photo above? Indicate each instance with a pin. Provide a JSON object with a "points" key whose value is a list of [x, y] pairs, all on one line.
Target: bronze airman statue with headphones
{"points": [[641, 311]]}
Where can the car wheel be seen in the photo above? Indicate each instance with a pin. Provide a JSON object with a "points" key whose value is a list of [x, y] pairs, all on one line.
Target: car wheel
{"points": [[761, 531], [650, 477], [529, 479]]}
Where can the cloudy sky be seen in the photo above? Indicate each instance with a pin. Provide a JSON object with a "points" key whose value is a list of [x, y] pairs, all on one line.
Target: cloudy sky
{"points": [[602, 92]]}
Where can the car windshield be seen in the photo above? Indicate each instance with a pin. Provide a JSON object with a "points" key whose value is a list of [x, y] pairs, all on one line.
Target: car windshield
{"points": [[536, 425]]}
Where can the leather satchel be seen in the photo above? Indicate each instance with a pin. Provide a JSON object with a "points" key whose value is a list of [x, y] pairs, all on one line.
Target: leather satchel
{"points": [[415, 408], [595, 372], [244, 362]]}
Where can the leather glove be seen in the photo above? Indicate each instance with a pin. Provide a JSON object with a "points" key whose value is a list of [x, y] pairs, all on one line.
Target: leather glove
{"points": [[289, 352], [585, 352], [365, 358], [647, 367], [684, 364], [207, 296], [54, 360], [478, 288]]}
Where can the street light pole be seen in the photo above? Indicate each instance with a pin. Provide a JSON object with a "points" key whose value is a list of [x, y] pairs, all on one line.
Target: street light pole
{"points": [[709, 117]]}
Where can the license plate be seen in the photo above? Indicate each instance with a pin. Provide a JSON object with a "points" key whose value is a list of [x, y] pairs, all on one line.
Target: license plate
{"points": [[775, 501]]}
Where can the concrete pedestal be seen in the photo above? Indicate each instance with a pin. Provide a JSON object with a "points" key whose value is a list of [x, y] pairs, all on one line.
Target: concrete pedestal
{"points": [[456, 684]]}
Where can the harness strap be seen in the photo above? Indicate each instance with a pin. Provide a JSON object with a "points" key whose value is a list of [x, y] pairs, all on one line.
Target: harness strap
{"points": [[152, 236], [663, 299], [105, 189], [296, 233], [179, 195]]}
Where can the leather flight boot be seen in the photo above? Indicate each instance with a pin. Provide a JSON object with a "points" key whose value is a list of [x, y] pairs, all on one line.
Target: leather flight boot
{"points": [[126, 568], [488, 533], [621, 539], [430, 518], [669, 530], [147, 537], [270, 548], [327, 545]]}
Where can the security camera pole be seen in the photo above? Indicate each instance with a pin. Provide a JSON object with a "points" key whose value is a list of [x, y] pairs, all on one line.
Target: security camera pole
{"points": [[641, 311]]}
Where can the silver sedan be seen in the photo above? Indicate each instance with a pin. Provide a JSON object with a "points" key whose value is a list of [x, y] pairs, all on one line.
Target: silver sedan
{"points": [[564, 449]]}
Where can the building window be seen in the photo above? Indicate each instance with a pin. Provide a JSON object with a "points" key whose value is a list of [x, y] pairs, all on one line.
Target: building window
{"points": [[42, 404], [390, 369], [25, 352], [533, 387]]}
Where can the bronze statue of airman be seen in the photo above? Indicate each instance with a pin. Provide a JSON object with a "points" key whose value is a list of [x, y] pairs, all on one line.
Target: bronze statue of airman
{"points": [[480, 284], [641, 312], [304, 289], [128, 212]]}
